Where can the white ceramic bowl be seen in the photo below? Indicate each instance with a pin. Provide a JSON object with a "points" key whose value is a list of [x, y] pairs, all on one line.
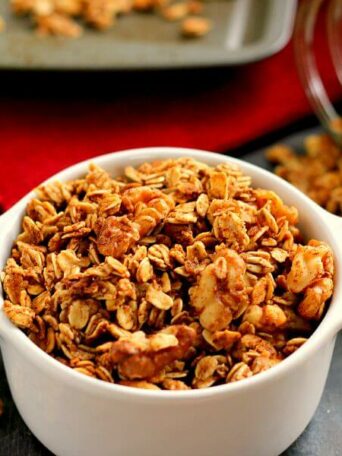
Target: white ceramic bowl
{"points": [[72, 414]]}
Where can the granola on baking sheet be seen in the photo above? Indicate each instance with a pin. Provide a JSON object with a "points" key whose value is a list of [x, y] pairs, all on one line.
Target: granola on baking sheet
{"points": [[66, 17], [317, 172], [175, 275]]}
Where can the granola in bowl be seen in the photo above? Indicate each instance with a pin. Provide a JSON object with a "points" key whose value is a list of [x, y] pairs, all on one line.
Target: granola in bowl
{"points": [[176, 275]]}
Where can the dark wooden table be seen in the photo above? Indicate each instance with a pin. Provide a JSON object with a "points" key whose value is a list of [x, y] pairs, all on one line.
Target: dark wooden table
{"points": [[323, 436]]}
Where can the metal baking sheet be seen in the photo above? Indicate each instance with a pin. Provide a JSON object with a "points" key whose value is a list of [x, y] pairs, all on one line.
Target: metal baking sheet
{"points": [[244, 31]]}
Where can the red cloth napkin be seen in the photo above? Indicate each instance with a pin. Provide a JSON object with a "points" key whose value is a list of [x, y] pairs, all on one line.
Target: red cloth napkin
{"points": [[40, 137]]}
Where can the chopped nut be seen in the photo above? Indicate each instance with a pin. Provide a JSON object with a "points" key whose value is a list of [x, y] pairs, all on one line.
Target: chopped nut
{"points": [[140, 358], [268, 318], [315, 297]]}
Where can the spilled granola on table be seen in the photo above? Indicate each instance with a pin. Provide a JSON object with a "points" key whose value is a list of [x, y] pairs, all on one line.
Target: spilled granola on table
{"points": [[317, 172], [176, 275]]}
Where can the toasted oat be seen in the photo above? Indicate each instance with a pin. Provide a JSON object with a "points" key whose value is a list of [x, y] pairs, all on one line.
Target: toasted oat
{"points": [[200, 281], [57, 24]]}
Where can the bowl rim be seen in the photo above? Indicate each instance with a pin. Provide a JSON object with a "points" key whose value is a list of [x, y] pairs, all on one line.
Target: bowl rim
{"points": [[327, 329]]}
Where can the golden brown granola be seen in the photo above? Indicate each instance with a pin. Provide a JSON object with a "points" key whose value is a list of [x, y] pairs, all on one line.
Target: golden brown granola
{"points": [[176, 275], [64, 17], [57, 24], [317, 172]]}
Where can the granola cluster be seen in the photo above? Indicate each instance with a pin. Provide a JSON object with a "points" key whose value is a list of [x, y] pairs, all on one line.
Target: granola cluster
{"points": [[65, 17], [176, 275], [317, 172]]}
